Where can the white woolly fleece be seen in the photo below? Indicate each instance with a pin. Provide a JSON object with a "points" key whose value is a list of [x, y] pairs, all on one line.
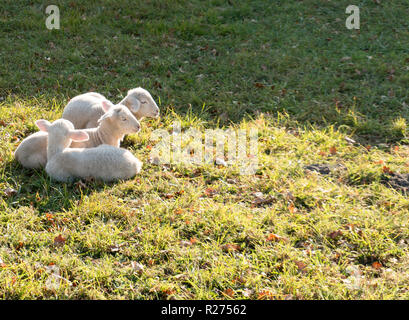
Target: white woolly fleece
{"points": [[84, 110], [113, 126], [105, 162]]}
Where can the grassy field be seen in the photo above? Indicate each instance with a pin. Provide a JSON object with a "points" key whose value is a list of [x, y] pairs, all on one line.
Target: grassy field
{"points": [[292, 70]]}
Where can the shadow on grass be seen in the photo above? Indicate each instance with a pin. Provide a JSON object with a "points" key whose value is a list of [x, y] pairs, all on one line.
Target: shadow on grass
{"points": [[36, 189]]}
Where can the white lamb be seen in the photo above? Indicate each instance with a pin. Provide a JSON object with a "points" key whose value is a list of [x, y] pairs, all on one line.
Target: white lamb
{"points": [[84, 110], [32, 151], [113, 126], [65, 164]]}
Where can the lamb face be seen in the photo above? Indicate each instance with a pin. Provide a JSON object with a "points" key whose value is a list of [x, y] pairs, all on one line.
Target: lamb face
{"points": [[119, 119], [60, 135], [34, 150], [58, 132], [129, 124], [141, 103]]}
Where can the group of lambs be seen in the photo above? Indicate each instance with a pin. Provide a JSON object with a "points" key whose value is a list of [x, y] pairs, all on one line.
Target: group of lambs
{"points": [[85, 142]]}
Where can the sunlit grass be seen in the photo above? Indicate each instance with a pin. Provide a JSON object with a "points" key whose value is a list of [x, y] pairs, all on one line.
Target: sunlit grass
{"points": [[288, 68]]}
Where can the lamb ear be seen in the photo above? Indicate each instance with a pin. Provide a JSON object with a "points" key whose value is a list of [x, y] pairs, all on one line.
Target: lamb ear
{"points": [[133, 104], [79, 135], [106, 105], [43, 125], [106, 116]]}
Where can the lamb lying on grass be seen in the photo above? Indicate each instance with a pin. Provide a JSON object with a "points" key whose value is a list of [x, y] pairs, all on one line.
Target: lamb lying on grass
{"points": [[32, 151], [65, 164], [113, 126], [85, 110]]}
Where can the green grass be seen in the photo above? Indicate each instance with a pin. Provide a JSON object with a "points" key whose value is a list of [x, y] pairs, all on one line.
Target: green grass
{"points": [[289, 68]]}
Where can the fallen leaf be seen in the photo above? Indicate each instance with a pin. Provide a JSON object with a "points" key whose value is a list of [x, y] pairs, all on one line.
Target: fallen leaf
{"points": [[301, 266], [333, 150], [209, 192], [238, 279], [266, 295], [386, 169], [350, 226], [260, 199], [19, 245], [276, 238], [228, 247], [377, 265], [292, 208], [59, 240], [49, 217], [229, 292], [168, 291], [335, 234]]}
